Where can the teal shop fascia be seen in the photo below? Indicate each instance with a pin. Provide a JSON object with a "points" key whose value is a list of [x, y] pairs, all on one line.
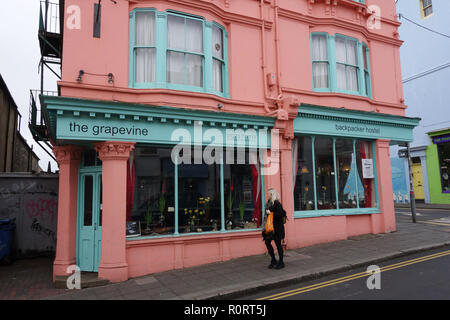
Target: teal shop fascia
{"points": [[73, 119], [341, 122]]}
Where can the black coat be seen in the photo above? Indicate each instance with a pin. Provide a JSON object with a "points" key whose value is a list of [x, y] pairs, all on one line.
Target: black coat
{"points": [[278, 214]]}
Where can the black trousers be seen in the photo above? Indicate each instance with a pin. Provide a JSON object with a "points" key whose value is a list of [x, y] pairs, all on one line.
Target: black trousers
{"points": [[279, 248]]}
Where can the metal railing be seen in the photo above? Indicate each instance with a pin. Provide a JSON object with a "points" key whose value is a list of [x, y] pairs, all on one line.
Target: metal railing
{"points": [[35, 115], [49, 18]]}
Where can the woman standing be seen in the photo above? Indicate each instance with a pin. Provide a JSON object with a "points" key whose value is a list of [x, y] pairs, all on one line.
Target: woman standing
{"points": [[274, 205]]}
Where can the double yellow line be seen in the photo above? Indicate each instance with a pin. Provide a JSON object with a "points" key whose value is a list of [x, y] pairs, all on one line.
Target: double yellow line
{"points": [[286, 294], [437, 223]]}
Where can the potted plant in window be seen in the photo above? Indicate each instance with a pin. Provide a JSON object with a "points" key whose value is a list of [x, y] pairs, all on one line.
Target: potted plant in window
{"points": [[162, 205], [148, 221], [241, 213], [229, 203]]}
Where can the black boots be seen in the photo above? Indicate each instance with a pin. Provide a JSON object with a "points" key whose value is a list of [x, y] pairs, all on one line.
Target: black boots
{"points": [[273, 263], [280, 265]]}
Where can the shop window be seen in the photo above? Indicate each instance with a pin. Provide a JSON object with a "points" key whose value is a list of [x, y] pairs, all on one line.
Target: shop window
{"points": [[325, 173], [366, 195], [153, 203], [199, 196], [177, 51], [242, 186], [205, 197], [344, 175], [303, 175], [444, 164]]}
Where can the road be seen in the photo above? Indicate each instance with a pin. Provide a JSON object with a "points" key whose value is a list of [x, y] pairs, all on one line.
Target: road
{"points": [[422, 276]]}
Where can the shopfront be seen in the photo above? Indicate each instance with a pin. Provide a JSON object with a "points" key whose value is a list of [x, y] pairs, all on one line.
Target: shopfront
{"points": [[160, 188], [341, 172], [438, 166]]}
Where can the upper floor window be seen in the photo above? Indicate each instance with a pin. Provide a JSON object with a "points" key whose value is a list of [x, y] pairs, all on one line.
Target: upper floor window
{"points": [[340, 64], [426, 8], [176, 51]]}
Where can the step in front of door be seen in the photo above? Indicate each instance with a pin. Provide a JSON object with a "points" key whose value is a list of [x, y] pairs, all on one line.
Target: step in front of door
{"points": [[88, 280]]}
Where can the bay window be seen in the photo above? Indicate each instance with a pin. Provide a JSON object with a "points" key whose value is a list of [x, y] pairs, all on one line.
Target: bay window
{"points": [[177, 51], [340, 64]]}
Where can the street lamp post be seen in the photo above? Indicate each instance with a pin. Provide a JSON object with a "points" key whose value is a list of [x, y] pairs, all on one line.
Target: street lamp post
{"points": [[411, 184]]}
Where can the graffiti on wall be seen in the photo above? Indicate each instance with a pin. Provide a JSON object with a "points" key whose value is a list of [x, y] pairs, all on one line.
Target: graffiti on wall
{"points": [[36, 227], [33, 201], [46, 209]]}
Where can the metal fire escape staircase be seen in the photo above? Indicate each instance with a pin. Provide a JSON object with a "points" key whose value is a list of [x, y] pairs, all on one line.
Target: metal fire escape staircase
{"points": [[50, 35]]}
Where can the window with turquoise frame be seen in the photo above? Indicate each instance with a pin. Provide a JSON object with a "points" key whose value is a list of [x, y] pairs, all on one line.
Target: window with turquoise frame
{"points": [[340, 64], [195, 196], [334, 176], [177, 51]]}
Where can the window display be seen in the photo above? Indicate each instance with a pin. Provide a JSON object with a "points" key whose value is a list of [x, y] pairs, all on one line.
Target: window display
{"points": [[153, 203], [444, 162], [199, 207], [303, 174], [242, 181], [197, 192], [344, 174], [366, 194], [325, 184]]}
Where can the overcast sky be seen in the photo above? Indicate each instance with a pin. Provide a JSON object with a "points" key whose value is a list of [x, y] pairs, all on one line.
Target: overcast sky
{"points": [[19, 61]]}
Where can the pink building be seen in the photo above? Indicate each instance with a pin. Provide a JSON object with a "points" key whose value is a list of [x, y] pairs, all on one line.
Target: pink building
{"points": [[175, 117]]}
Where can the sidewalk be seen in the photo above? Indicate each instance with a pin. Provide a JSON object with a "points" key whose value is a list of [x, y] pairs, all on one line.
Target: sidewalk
{"points": [[227, 280], [423, 206]]}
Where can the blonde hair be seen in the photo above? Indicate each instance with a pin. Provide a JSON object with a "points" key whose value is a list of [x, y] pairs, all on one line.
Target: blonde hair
{"points": [[274, 195]]}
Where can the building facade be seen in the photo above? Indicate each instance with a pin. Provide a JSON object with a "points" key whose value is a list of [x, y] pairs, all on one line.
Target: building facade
{"points": [[174, 118], [426, 71], [15, 153]]}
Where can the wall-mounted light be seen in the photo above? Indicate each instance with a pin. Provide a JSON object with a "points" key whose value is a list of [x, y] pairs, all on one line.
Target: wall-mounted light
{"points": [[80, 74], [110, 78], [220, 106]]}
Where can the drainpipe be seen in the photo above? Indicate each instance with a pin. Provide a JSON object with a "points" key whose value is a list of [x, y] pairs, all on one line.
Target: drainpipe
{"points": [[277, 50], [264, 67]]}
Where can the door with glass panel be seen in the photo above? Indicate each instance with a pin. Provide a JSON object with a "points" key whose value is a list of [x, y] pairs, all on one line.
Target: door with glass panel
{"points": [[89, 220]]}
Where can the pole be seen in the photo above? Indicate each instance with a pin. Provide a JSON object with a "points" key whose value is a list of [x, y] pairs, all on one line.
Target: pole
{"points": [[411, 185]]}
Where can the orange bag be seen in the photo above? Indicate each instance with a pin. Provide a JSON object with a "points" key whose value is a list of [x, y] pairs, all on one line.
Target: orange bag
{"points": [[269, 224]]}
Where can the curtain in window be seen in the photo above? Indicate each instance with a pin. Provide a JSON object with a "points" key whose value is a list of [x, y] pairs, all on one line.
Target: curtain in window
{"points": [[175, 33], [145, 65], [145, 37], [217, 50], [217, 75], [194, 36], [184, 35], [175, 67], [194, 70], [319, 54], [341, 52], [347, 61]]}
